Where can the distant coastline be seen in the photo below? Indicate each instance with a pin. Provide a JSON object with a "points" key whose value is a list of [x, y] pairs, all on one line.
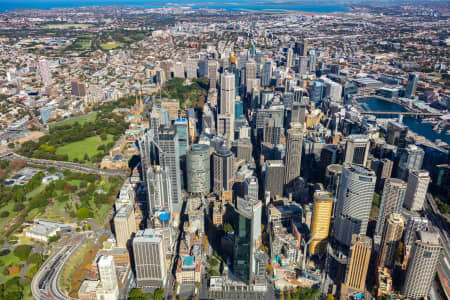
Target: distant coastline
{"points": [[8, 5]]}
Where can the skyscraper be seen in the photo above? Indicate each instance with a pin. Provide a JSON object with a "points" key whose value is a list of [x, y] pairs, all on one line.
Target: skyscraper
{"points": [[227, 93], [159, 189], [108, 288], [360, 250], [396, 134], [198, 169], [266, 76], [392, 234], [293, 159], [149, 258], [323, 205], [124, 225], [357, 149], [289, 57], [298, 113], [416, 189], [181, 126], [212, 73], [46, 74], [391, 201], [273, 178], [354, 202], [191, 68], [301, 48], [411, 85], [250, 71], [223, 173], [169, 159], [422, 265], [317, 91], [225, 126], [411, 158], [413, 225]]}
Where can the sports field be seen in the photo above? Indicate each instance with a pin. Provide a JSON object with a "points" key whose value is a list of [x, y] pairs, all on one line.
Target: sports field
{"points": [[87, 146]]}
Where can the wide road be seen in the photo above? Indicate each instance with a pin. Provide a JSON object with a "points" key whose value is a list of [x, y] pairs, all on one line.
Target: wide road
{"points": [[441, 228], [69, 166], [51, 269]]}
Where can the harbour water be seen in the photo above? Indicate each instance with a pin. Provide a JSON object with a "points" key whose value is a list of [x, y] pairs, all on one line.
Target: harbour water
{"points": [[308, 6], [414, 124]]}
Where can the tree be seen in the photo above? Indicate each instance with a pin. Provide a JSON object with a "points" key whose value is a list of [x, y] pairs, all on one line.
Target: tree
{"points": [[84, 213], [18, 207], [228, 228], [159, 293], [22, 251], [17, 164]]}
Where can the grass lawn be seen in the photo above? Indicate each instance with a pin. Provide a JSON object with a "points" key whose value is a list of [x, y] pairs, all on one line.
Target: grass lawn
{"points": [[23, 240], [51, 214], [36, 191], [80, 119], [67, 25], [110, 46], [4, 221], [87, 146], [102, 213]]}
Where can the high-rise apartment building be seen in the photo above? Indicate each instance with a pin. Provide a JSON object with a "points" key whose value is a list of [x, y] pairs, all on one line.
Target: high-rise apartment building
{"points": [[354, 202], [149, 258], [124, 225], [169, 160], [416, 189], [391, 201], [360, 250], [198, 165], [323, 206], [357, 149], [293, 158], [392, 234], [223, 172], [422, 265]]}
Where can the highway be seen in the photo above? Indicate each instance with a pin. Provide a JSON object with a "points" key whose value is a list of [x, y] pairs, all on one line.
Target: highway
{"points": [[440, 227], [45, 284], [65, 165]]}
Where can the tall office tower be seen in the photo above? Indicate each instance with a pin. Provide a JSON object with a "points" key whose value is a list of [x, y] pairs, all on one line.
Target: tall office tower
{"points": [[227, 94], [178, 70], [46, 74], [298, 94], [333, 175], [272, 133], [354, 202], [149, 258], [411, 158], [312, 60], [396, 134], [303, 65], [223, 172], [266, 76], [332, 89], [251, 188], [391, 201], [357, 149], [298, 113], [181, 126], [416, 190], [225, 126], [124, 225], [273, 178], [108, 289], [317, 91], [383, 169], [198, 169], [159, 189], [323, 206], [169, 159], [293, 158], [250, 70], [212, 73], [392, 234], [242, 149], [289, 57], [422, 265], [360, 250], [413, 225], [191, 68], [166, 65], [301, 48], [411, 85]]}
